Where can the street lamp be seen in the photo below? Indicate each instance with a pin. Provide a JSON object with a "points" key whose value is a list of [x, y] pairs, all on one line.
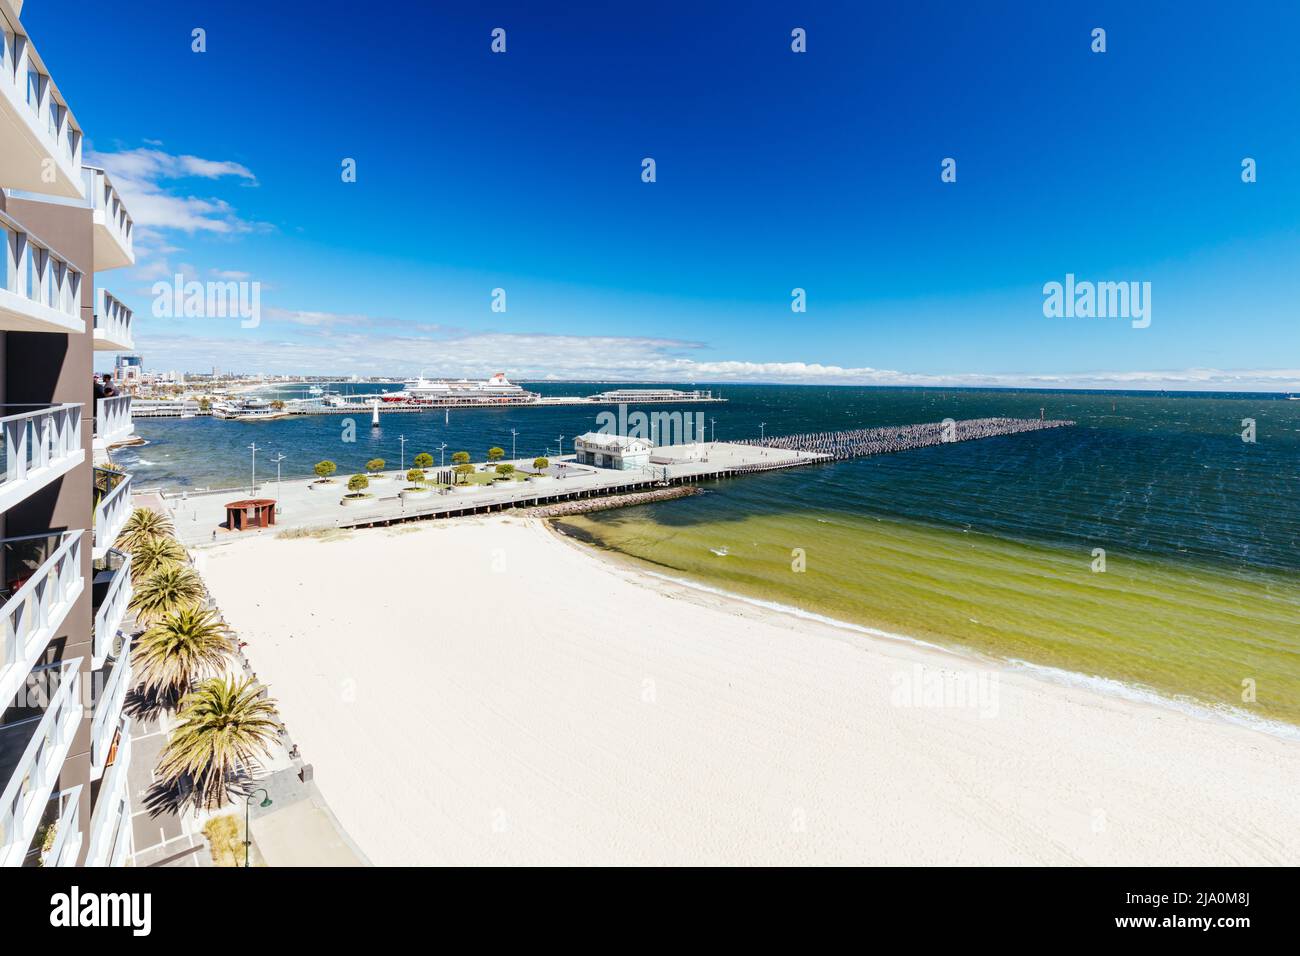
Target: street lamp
{"points": [[254, 447], [761, 437], [248, 802], [713, 429], [279, 457], [560, 454], [442, 454], [402, 439], [513, 435]]}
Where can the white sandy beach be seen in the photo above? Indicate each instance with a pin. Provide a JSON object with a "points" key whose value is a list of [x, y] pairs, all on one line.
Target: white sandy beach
{"points": [[482, 692]]}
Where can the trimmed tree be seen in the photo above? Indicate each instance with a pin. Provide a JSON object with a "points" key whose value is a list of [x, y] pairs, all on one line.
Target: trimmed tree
{"points": [[424, 460], [505, 470], [358, 484], [460, 458], [415, 476], [375, 465], [541, 464], [324, 469], [463, 471], [496, 454]]}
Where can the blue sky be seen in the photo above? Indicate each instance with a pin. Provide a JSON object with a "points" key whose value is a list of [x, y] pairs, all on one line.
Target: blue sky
{"points": [[775, 170]]}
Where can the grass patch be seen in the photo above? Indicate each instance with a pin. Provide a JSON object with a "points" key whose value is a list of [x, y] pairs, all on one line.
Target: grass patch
{"points": [[225, 840], [321, 533]]}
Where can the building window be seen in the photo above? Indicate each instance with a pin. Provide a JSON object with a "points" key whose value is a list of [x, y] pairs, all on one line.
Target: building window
{"points": [[33, 272], [34, 91], [6, 273]]}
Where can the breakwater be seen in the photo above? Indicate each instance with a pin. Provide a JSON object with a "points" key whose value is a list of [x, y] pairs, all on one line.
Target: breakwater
{"points": [[614, 501], [861, 442]]}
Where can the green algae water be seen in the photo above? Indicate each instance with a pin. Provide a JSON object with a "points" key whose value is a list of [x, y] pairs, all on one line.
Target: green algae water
{"points": [[997, 546]]}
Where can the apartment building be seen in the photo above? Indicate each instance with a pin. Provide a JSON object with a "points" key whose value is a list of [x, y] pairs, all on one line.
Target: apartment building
{"points": [[64, 662]]}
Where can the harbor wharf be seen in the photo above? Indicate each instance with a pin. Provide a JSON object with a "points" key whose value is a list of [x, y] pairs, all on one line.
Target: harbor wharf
{"points": [[199, 516]]}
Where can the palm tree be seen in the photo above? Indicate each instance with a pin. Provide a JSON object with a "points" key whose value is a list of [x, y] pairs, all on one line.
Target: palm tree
{"points": [[226, 727], [144, 523], [167, 590], [152, 554], [179, 648]]}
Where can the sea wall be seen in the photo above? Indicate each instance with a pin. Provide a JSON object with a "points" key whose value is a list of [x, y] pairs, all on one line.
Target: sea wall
{"points": [[586, 505]]}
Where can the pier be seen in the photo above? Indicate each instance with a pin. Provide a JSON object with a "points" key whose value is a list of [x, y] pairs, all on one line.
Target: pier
{"points": [[884, 441], [309, 503]]}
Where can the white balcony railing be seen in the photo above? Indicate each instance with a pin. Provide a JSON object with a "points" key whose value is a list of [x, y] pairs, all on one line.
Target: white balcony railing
{"points": [[110, 821], [113, 225], [67, 831], [38, 445], [37, 768], [112, 605], [112, 324], [42, 144], [112, 510], [108, 710], [42, 579], [39, 290], [113, 420]]}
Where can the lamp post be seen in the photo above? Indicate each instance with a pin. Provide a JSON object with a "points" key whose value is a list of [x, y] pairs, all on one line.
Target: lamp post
{"points": [[761, 426], [402, 439], [279, 457], [513, 435], [560, 453], [713, 429], [442, 454], [254, 488], [248, 802]]}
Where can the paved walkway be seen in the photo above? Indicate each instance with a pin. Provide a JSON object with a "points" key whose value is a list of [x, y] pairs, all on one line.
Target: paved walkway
{"points": [[304, 503]]}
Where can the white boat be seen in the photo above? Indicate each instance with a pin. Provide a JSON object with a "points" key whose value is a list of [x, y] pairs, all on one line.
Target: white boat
{"points": [[248, 410], [497, 389]]}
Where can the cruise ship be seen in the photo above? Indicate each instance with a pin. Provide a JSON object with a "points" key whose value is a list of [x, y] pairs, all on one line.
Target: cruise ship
{"points": [[495, 390]]}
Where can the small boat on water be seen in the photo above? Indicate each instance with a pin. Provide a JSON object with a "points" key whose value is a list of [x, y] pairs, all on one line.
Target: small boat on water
{"points": [[248, 410]]}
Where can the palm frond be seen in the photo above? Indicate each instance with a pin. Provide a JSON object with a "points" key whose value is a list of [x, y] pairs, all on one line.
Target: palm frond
{"points": [[165, 591], [144, 523], [180, 648], [226, 728], [153, 554]]}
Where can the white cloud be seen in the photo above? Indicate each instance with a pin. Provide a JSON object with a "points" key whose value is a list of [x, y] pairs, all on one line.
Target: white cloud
{"points": [[347, 344], [146, 178]]}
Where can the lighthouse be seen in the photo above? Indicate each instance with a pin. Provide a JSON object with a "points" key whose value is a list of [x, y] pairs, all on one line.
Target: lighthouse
{"points": [[374, 413]]}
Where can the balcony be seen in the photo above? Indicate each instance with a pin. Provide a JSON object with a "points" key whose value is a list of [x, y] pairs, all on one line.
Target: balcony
{"points": [[32, 752], [40, 580], [110, 823], [113, 226], [112, 324], [113, 420], [38, 445], [39, 290], [112, 508], [64, 817], [42, 142], [111, 593], [112, 681]]}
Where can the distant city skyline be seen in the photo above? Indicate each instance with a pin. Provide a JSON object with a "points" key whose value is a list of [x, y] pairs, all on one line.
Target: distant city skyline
{"points": [[775, 171]]}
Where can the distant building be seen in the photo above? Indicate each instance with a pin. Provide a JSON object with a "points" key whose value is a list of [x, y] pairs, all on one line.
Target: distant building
{"points": [[128, 371], [612, 451]]}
